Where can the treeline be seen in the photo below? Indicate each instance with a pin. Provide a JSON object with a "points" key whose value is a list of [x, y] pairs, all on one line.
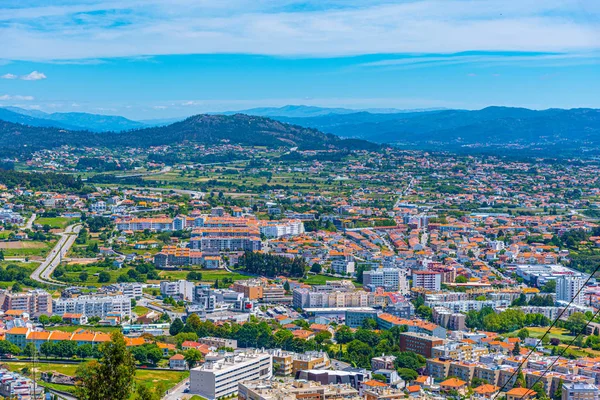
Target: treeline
{"points": [[539, 301], [15, 273], [361, 345], [40, 181], [271, 266], [506, 321]]}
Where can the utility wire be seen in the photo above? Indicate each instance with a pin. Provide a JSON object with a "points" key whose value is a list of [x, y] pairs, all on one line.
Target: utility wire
{"points": [[546, 333], [564, 350]]}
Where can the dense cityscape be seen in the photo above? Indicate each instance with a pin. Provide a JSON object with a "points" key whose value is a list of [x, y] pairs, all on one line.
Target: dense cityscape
{"points": [[366, 274]]}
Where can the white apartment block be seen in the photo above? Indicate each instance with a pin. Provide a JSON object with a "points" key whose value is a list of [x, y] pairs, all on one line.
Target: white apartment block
{"points": [[579, 391], [277, 229], [94, 306], [567, 288], [132, 290], [180, 288], [343, 267], [220, 378], [304, 298], [390, 279], [428, 280]]}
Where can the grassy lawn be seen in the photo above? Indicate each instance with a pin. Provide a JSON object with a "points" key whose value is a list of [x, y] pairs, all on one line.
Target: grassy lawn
{"points": [[538, 332], [55, 222], [139, 310], [4, 234], [149, 378], [322, 279], [208, 275], [73, 328], [73, 272]]}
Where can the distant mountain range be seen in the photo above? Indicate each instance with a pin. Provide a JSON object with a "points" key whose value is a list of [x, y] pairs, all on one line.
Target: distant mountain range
{"points": [[241, 129], [300, 111], [492, 129]]}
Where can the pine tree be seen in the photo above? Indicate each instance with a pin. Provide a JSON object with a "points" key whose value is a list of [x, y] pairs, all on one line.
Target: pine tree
{"points": [[110, 378]]}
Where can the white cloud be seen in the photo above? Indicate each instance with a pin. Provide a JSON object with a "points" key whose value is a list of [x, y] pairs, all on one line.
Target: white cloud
{"points": [[32, 76], [107, 28], [16, 97]]}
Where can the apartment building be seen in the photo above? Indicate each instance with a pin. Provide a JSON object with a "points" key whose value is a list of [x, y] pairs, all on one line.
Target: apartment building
{"points": [[218, 342], [226, 234], [448, 319], [354, 378], [271, 390], [383, 362], [305, 298], [570, 288], [390, 279], [34, 302], [343, 266], [221, 377], [438, 368], [94, 306], [283, 228], [579, 391], [157, 224], [178, 289], [428, 280], [261, 289], [132, 290], [419, 343], [355, 318]]}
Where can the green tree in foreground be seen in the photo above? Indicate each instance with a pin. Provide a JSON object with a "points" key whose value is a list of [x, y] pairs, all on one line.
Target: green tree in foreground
{"points": [[192, 357], [110, 378]]}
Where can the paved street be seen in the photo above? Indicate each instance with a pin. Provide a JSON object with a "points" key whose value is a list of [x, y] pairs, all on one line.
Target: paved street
{"points": [[44, 271]]}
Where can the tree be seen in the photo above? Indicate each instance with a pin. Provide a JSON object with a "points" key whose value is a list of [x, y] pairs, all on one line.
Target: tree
{"points": [[424, 312], [576, 323], [110, 378], [461, 279], [520, 381], [344, 335], [56, 319], [103, 277], [316, 268], [1, 255], [517, 349], [30, 350], [557, 395], [83, 276], [538, 388], [286, 286], [16, 287], [44, 320], [7, 347], [176, 327], [523, 334], [379, 377], [192, 357], [408, 375], [322, 336]]}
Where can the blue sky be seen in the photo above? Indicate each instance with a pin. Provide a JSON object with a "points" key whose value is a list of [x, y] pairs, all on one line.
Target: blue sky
{"points": [[155, 59]]}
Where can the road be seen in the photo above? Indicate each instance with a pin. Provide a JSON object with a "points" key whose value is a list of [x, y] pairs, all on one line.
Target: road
{"points": [[176, 392], [44, 272], [29, 223], [404, 192], [146, 302]]}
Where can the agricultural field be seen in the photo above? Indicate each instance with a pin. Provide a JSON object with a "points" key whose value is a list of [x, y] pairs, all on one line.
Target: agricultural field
{"points": [[26, 248], [55, 222]]}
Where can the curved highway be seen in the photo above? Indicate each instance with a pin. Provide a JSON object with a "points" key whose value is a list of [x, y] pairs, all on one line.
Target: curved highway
{"points": [[44, 272]]}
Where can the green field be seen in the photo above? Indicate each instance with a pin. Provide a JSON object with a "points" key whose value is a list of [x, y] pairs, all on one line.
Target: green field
{"points": [[538, 332], [322, 279], [73, 273], [139, 310], [208, 275], [28, 248], [149, 378], [73, 328], [55, 222]]}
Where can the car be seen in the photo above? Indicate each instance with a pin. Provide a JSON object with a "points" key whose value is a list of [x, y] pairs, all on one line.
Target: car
{"points": [[186, 390]]}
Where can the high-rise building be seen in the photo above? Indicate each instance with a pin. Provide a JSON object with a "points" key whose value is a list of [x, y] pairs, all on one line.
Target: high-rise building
{"points": [[390, 279], [570, 288], [219, 378], [34, 302], [428, 280], [579, 391]]}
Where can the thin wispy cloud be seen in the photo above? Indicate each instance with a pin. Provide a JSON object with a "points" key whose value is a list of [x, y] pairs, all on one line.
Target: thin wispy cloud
{"points": [[5, 97], [81, 29], [32, 76]]}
